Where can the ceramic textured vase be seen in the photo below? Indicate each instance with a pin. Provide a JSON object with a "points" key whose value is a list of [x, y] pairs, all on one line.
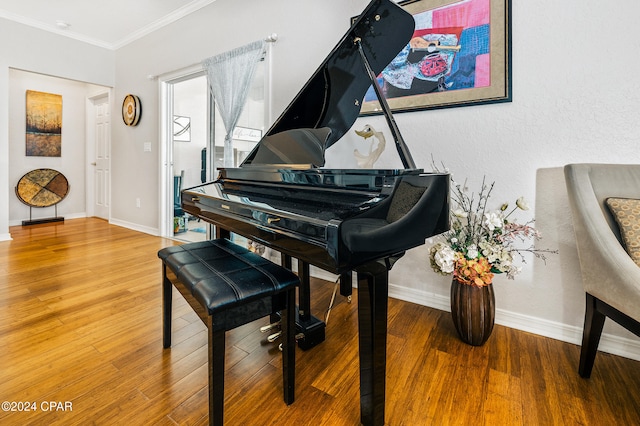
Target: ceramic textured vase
{"points": [[473, 311]]}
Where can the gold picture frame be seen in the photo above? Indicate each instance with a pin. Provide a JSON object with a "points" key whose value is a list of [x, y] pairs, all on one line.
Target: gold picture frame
{"points": [[43, 124], [460, 55]]}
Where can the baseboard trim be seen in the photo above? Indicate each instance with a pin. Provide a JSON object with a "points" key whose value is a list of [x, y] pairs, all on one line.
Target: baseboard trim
{"points": [[5, 237], [609, 343], [135, 227]]}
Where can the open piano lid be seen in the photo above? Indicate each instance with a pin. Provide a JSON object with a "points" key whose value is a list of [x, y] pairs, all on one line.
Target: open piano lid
{"points": [[329, 103]]}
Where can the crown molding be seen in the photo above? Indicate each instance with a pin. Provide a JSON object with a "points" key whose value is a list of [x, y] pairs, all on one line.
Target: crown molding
{"points": [[166, 20]]}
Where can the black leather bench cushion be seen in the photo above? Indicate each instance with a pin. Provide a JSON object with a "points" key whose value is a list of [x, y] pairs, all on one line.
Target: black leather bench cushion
{"points": [[221, 274]]}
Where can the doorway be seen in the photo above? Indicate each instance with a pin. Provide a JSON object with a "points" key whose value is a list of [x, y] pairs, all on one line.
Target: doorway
{"points": [[189, 142], [194, 144]]}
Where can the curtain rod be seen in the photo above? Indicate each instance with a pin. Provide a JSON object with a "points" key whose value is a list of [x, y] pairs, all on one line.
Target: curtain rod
{"points": [[269, 39]]}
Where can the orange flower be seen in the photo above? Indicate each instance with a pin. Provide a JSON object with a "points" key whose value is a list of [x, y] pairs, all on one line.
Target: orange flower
{"points": [[475, 272]]}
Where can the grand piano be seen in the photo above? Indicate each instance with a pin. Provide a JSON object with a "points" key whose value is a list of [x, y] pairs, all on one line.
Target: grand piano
{"points": [[340, 220]]}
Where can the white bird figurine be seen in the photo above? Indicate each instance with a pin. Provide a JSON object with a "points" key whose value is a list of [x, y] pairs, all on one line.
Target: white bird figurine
{"points": [[366, 161]]}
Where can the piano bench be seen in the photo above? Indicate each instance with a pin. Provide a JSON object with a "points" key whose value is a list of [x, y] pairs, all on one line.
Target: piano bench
{"points": [[228, 286]]}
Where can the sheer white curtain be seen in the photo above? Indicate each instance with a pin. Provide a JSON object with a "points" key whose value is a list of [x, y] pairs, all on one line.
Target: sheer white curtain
{"points": [[230, 76]]}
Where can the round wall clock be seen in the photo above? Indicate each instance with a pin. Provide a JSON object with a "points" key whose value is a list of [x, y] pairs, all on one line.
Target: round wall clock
{"points": [[131, 110]]}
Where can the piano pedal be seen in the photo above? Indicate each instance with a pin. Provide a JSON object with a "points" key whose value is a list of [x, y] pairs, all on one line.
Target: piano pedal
{"points": [[349, 299], [273, 337], [298, 337], [268, 328], [309, 332]]}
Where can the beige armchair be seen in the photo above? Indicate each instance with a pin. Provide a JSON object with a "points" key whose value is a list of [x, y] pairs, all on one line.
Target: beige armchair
{"points": [[610, 277]]}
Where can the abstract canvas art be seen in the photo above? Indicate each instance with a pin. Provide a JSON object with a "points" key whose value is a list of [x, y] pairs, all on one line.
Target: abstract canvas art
{"points": [[44, 124], [459, 55]]}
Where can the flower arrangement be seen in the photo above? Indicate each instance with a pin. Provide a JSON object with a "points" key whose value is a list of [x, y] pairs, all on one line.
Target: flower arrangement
{"points": [[482, 242]]}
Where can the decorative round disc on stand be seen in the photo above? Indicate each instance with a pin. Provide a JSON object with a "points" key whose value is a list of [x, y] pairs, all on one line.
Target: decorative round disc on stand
{"points": [[131, 110], [42, 188]]}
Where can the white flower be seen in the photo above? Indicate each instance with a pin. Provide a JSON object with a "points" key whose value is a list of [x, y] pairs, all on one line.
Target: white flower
{"points": [[490, 251], [504, 264], [479, 231], [522, 204], [460, 213], [492, 220], [445, 259]]}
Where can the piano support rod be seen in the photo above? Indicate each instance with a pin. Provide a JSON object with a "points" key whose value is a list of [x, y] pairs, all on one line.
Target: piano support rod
{"points": [[401, 146]]}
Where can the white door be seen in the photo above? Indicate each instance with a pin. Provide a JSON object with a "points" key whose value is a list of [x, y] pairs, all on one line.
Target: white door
{"points": [[100, 146]]}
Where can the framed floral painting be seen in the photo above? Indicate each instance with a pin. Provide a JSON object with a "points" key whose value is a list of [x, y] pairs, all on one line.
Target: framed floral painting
{"points": [[459, 55]]}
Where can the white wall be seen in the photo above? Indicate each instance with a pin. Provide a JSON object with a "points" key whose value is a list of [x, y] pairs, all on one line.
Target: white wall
{"points": [[26, 48], [72, 163]]}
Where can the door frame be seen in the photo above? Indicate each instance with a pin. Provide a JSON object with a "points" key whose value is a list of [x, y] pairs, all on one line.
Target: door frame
{"points": [[166, 82], [90, 136]]}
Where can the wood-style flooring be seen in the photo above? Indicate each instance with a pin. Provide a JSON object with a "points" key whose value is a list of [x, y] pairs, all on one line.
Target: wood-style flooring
{"points": [[81, 344]]}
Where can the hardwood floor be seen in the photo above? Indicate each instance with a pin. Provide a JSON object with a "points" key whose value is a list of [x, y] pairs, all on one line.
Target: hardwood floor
{"points": [[80, 323]]}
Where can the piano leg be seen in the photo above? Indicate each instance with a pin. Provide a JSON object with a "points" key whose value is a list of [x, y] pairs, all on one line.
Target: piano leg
{"points": [[310, 331], [372, 334], [285, 262], [304, 292], [346, 284]]}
